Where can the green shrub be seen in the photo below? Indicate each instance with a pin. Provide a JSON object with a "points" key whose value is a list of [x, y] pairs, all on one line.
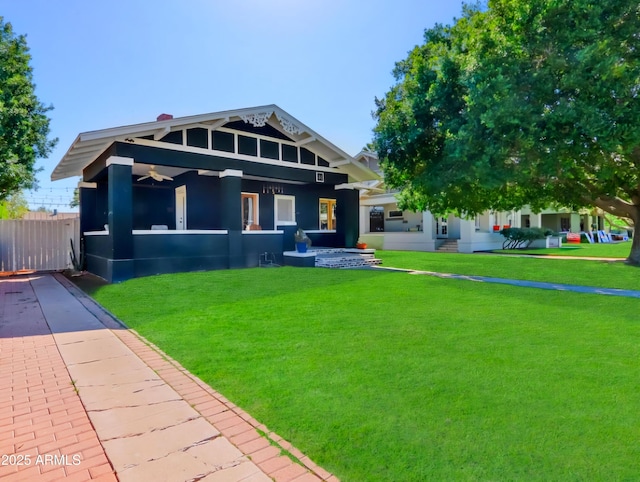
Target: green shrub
{"points": [[521, 237]]}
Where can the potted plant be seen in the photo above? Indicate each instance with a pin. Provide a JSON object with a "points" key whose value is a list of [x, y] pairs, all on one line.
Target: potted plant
{"points": [[302, 241]]}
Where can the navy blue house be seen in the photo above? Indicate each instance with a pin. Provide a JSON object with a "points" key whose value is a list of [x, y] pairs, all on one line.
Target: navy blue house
{"points": [[211, 191]]}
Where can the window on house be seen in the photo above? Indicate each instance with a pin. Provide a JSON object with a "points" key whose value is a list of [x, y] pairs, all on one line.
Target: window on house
{"points": [[247, 145], [289, 153], [223, 141], [250, 210], [328, 214], [285, 210], [197, 137], [565, 224], [307, 157], [174, 137], [269, 149]]}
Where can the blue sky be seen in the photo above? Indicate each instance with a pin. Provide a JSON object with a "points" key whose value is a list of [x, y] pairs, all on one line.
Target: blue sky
{"points": [[108, 63]]}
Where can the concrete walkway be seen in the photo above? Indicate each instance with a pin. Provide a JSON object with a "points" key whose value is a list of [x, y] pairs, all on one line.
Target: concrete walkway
{"points": [[534, 284], [83, 398]]}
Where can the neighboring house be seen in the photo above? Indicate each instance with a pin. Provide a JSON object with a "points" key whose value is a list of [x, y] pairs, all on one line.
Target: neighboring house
{"points": [[384, 226], [210, 191]]}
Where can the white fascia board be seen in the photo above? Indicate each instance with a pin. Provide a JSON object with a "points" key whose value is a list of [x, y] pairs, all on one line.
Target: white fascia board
{"points": [[148, 128], [339, 163], [386, 198], [89, 147], [107, 136], [72, 164]]}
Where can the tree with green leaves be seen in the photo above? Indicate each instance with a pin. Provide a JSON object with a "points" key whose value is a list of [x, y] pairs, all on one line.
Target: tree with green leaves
{"points": [[14, 206], [519, 103], [24, 126], [75, 201]]}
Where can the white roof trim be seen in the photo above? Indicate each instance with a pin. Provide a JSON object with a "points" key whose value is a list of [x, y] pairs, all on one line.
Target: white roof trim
{"points": [[89, 145]]}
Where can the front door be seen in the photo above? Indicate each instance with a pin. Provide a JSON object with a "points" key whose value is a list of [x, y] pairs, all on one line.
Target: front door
{"points": [[181, 207], [442, 228]]}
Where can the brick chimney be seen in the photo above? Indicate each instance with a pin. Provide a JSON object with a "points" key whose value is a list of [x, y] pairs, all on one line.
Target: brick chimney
{"points": [[162, 117]]}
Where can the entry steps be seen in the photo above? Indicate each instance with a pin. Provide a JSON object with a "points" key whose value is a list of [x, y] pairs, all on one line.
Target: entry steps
{"points": [[448, 246], [345, 258]]}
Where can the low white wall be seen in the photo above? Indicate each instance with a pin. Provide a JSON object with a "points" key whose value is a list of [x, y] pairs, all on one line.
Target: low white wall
{"points": [[548, 242], [403, 241], [375, 241], [481, 242]]}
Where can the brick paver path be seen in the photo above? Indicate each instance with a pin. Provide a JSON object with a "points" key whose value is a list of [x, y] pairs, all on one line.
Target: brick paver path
{"points": [[45, 432], [170, 426]]}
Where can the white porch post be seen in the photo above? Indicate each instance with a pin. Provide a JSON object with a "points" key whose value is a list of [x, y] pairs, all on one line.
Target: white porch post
{"points": [[467, 233], [535, 220], [575, 222], [516, 219], [427, 224], [364, 219]]}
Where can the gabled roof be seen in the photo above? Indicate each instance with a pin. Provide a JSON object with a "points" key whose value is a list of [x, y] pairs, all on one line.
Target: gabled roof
{"points": [[89, 145]]}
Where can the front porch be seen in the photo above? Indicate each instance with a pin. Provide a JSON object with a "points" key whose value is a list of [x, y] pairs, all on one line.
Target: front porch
{"points": [[383, 226], [159, 251]]}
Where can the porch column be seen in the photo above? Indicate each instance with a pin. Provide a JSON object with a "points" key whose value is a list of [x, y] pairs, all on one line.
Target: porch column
{"points": [[575, 222], [347, 207], [364, 228], [535, 220], [231, 191], [427, 224], [120, 218], [467, 232]]}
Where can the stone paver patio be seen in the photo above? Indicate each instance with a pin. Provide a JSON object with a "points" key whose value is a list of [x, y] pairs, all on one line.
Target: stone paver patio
{"points": [[84, 398]]}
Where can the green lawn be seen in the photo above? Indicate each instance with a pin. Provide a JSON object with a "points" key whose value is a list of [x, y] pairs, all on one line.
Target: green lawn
{"points": [[605, 274], [599, 250], [383, 376]]}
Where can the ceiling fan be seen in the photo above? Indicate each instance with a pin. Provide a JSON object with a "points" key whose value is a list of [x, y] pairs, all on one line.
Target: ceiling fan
{"points": [[155, 175]]}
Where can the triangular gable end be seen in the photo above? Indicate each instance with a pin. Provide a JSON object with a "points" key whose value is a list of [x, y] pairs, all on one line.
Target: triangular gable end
{"points": [[270, 121]]}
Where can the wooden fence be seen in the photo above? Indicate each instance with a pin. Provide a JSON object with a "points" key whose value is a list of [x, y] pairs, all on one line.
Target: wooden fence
{"points": [[40, 245]]}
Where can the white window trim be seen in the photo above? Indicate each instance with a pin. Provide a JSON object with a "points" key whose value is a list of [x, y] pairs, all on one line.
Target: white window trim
{"points": [[278, 222]]}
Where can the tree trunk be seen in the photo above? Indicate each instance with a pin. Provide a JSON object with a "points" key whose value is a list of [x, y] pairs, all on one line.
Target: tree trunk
{"points": [[634, 256]]}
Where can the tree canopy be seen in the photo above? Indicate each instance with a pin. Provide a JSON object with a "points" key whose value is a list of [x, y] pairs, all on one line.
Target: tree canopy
{"points": [[519, 103], [24, 126], [14, 206]]}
